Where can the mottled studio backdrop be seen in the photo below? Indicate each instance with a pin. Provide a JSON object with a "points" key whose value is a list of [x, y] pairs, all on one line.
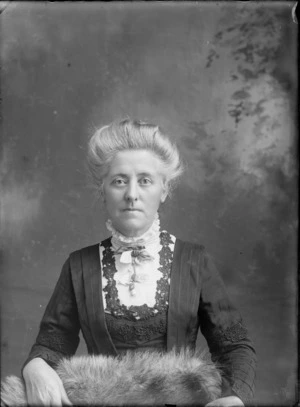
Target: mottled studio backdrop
{"points": [[221, 78]]}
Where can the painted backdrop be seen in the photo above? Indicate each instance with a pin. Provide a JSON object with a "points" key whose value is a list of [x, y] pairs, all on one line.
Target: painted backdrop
{"points": [[221, 79]]}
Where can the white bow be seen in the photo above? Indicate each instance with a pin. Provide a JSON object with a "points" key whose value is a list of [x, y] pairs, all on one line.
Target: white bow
{"points": [[126, 257]]}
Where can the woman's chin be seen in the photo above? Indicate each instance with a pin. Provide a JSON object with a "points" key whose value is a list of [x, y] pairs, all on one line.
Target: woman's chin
{"points": [[133, 229]]}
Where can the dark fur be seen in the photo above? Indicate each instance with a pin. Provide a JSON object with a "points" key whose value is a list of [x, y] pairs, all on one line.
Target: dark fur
{"points": [[136, 378]]}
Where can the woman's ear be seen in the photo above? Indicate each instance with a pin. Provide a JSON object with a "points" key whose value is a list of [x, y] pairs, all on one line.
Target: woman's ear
{"points": [[164, 193], [102, 193]]}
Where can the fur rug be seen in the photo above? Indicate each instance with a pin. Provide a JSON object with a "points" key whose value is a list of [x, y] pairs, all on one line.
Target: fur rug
{"points": [[135, 378]]}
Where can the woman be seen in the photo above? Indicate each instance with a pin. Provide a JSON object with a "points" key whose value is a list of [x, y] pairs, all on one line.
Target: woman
{"points": [[142, 288]]}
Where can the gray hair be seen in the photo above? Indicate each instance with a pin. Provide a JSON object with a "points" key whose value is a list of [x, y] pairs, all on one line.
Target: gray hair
{"points": [[107, 141]]}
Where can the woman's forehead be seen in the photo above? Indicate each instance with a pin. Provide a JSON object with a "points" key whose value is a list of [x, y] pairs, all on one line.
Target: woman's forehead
{"points": [[138, 161]]}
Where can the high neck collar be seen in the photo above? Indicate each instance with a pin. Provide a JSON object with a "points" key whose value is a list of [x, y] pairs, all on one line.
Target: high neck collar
{"points": [[150, 236]]}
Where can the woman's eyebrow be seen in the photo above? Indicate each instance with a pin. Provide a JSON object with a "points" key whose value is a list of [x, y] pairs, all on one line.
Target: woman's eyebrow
{"points": [[140, 174], [119, 174], [145, 174]]}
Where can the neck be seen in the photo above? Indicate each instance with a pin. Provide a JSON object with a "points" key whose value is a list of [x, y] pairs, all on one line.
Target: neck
{"points": [[151, 235]]}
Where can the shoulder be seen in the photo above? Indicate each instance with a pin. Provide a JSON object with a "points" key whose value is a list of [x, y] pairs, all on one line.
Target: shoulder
{"points": [[85, 261], [86, 258], [92, 250], [183, 245], [84, 251], [191, 254]]}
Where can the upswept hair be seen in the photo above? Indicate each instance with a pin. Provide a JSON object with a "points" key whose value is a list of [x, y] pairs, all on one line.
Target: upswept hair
{"points": [[107, 141]]}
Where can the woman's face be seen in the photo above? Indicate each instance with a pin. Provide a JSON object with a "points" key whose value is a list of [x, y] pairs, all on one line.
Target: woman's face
{"points": [[133, 190]]}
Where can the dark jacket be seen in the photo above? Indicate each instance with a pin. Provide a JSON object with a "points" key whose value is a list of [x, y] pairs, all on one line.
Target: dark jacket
{"points": [[197, 299]]}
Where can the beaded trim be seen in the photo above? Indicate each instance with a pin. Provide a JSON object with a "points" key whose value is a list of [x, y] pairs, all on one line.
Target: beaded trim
{"points": [[137, 312]]}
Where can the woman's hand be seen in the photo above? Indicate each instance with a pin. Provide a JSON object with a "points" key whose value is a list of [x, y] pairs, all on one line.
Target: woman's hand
{"points": [[43, 385], [229, 401]]}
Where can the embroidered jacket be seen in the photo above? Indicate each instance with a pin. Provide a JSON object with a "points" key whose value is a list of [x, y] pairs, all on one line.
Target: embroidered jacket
{"points": [[197, 299]]}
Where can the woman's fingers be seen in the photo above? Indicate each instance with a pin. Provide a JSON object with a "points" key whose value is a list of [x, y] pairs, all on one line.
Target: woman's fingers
{"points": [[56, 401], [43, 385], [64, 397], [49, 397], [228, 401], [57, 395], [50, 394]]}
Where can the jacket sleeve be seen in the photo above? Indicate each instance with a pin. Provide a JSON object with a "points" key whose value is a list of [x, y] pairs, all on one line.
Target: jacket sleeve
{"points": [[58, 335], [226, 335]]}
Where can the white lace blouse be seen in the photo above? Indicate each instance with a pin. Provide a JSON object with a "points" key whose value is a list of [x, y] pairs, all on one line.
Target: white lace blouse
{"points": [[136, 279]]}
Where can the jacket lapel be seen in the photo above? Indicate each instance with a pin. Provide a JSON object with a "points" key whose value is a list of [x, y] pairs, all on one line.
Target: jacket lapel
{"points": [[184, 294], [92, 276]]}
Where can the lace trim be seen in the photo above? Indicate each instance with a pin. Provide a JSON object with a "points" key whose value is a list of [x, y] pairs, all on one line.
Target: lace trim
{"points": [[150, 235], [55, 342], [234, 333], [162, 290], [132, 331]]}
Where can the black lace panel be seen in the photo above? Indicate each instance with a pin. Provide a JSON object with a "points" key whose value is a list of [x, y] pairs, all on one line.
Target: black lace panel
{"points": [[141, 312], [132, 331]]}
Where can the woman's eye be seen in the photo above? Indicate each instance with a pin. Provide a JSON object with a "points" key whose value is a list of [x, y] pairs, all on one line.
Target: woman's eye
{"points": [[119, 181], [145, 181]]}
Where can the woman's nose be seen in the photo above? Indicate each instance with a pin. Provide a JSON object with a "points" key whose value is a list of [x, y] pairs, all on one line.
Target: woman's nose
{"points": [[131, 193]]}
